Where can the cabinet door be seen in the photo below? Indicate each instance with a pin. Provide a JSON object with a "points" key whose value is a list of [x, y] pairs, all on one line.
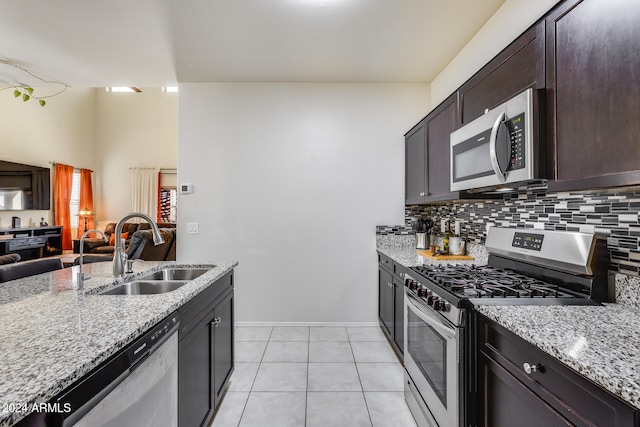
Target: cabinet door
{"points": [[506, 402], [440, 123], [415, 164], [385, 299], [222, 347], [194, 373], [398, 315], [518, 67], [592, 100]]}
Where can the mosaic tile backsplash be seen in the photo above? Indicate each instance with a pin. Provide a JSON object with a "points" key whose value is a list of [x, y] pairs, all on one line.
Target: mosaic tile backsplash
{"points": [[612, 214]]}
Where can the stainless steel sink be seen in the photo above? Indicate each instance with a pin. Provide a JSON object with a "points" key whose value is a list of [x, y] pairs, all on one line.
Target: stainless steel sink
{"points": [[176, 273], [145, 287]]}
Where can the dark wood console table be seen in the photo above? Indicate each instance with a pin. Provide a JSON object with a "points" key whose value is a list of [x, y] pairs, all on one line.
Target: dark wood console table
{"points": [[31, 242]]}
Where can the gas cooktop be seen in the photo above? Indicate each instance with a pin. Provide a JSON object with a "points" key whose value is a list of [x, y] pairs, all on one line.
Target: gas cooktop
{"points": [[471, 281]]}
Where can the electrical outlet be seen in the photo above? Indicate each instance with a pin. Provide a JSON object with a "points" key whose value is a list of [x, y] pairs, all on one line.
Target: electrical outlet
{"points": [[192, 228]]}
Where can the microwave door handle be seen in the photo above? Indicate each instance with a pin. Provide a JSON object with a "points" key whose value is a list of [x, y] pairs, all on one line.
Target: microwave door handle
{"points": [[493, 155]]}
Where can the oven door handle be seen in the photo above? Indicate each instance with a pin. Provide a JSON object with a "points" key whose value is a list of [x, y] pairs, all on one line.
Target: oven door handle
{"points": [[432, 319]]}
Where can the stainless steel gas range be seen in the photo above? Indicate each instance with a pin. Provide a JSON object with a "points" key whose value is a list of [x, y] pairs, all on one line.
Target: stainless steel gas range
{"points": [[535, 267]]}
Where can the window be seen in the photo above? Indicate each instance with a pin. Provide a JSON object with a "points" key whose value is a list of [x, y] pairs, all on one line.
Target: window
{"points": [[168, 205], [74, 204]]}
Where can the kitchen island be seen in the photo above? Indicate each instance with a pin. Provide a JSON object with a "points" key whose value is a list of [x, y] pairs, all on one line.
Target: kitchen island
{"points": [[53, 334]]}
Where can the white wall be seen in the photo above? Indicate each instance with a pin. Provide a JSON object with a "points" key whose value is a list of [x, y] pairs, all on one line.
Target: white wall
{"points": [[291, 180], [511, 20], [132, 130], [62, 131]]}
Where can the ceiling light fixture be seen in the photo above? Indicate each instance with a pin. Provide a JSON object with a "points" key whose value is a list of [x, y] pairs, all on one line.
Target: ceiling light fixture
{"points": [[170, 89], [123, 89]]}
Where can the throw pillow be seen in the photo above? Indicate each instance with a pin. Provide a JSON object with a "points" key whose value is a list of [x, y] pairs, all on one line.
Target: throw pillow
{"points": [[112, 239]]}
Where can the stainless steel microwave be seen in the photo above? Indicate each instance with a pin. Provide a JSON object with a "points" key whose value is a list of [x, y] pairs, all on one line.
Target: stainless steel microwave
{"points": [[498, 151]]}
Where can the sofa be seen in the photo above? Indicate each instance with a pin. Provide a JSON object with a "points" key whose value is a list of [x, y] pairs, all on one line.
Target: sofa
{"points": [[141, 246], [99, 246]]}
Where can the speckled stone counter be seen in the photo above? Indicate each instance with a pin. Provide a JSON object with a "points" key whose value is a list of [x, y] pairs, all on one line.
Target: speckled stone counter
{"points": [[402, 249], [53, 334], [602, 343]]}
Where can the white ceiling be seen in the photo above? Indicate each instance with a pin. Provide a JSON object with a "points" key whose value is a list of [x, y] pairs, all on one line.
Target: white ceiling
{"points": [[161, 42]]}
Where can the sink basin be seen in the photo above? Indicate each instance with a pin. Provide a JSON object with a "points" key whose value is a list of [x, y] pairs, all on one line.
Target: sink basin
{"points": [[145, 287], [177, 273]]}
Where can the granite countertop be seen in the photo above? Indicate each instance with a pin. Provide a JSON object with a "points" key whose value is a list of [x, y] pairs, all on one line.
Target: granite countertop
{"points": [[599, 342], [402, 249], [52, 334]]}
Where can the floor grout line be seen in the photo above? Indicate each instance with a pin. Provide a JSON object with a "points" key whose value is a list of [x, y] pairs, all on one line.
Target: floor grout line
{"points": [[262, 362]]}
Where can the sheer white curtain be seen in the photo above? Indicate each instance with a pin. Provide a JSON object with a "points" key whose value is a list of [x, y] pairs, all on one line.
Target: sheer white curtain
{"points": [[144, 190]]}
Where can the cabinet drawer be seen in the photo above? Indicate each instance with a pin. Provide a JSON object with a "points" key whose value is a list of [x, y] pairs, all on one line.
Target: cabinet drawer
{"points": [[193, 311], [391, 266], [573, 396], [398, 270], [385, 261]]}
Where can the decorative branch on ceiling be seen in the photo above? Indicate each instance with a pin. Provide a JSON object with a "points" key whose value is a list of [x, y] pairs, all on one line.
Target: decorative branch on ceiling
{"points": [[26, 92]]}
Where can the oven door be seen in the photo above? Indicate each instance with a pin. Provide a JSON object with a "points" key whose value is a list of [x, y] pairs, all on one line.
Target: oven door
{"points": [[432, 359]]}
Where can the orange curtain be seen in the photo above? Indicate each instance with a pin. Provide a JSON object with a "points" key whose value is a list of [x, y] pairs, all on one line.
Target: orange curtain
{"points": [[62, 182], [86, 200]]}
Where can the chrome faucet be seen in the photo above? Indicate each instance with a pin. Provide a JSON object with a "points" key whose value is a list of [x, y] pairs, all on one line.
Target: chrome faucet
{"points": [[119, 255], [81, 276]]}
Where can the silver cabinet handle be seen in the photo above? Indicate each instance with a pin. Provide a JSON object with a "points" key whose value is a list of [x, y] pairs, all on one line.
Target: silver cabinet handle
{"points": [[216, 321], [528, 368], [390, 285]]}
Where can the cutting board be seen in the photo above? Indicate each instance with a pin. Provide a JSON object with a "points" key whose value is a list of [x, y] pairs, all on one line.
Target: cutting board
{"points": [[427, 254]]}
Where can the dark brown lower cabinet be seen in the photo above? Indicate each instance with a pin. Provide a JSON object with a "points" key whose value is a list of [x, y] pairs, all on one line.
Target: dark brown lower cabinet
{"points": [[391, 301], [205, 353], [551, 394]]}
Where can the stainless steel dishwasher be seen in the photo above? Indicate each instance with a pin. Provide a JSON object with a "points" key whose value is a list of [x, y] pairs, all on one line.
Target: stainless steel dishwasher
{"points": [[138, 387]]}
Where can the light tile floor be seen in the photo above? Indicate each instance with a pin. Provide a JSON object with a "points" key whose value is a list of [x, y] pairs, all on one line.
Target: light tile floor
{"points": [[314, 376]]}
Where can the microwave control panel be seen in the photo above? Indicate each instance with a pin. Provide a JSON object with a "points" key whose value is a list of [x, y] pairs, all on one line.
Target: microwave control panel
{"points": [[516, 132]]}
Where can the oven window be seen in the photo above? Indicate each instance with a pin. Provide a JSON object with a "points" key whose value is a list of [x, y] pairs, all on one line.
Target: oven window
{"points": [[429, 350]]}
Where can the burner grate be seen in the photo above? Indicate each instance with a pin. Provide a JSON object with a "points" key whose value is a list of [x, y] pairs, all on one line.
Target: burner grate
{"points": [[472, 281]]}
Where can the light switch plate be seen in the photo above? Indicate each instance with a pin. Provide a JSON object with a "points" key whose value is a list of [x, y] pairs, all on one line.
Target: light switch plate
{"points": [[192, 228]]}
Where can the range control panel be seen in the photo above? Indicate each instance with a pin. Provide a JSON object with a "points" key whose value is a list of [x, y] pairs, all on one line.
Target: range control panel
{"points": [[527, 241]]}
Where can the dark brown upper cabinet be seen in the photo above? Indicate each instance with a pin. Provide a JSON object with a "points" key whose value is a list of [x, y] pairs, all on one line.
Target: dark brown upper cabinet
{"points": [[427, 163], [415, 164], [520, 66], [593, 94]]}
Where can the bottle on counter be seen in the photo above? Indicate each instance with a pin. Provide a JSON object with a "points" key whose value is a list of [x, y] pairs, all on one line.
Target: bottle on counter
{"points": [[445, 236]]}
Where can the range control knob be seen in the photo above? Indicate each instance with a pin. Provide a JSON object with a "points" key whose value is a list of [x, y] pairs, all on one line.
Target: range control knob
{"points": [[431, 299], [422, 292], [414, 285], [441, 305]]}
